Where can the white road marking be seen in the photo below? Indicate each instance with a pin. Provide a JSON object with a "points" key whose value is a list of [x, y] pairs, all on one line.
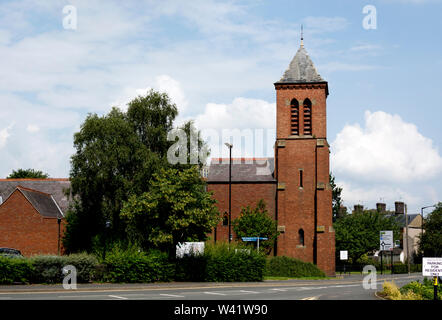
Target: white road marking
{"points": [[278, 290], [171, 295], [245, 291], [215, 293], [118, 297]]}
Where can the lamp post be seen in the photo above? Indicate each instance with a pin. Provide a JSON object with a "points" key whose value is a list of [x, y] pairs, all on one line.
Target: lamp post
{"points": [[107, 226], [230, 146], [422, 223]]}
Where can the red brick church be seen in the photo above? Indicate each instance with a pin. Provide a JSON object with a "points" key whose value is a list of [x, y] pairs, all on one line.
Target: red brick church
{"points": [[295, 183]]}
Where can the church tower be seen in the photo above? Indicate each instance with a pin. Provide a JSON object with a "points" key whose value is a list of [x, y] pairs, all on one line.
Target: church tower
{"points": [[304, 196]]}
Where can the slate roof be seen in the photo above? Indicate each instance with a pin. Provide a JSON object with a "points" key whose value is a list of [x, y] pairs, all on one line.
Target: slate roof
{"points": [[54, 187], [400, 218], [243, 170], [301, 69], [42, 202]]}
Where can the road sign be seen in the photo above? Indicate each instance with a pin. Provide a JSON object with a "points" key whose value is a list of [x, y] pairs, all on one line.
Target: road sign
{"points": [[253, 238], [343, 254], [386, 240], [432, 267]]}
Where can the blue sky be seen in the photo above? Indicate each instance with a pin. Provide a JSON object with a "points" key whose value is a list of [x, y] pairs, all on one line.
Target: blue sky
{"points": [[218, 61]]}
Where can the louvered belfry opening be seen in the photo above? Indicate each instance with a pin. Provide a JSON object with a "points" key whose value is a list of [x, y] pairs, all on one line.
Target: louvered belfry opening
{"points": [[307, 117], [294, 107]]}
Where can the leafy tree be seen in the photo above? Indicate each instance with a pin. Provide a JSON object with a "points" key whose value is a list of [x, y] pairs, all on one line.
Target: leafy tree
{"points": [[359, 232], [176, 209], [116, 156], [336, 198], [256, 222], [27, 174], [430, 243]]}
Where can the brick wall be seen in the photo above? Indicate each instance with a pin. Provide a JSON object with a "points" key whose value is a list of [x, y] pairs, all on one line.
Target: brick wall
{"points": [[23, 228], [243, 194]]}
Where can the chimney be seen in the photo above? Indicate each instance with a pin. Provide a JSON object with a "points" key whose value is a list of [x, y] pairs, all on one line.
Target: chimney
{"points": [[358, 208], [381, 207], [399, 207]]}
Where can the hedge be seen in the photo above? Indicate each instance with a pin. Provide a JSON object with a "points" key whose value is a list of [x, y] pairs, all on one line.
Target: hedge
{"points": [[290, 267], [13, 270], [222, 262], [402, 268], [132, 265], [48, 269]]}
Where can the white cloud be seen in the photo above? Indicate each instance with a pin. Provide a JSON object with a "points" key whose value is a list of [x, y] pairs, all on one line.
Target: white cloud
{"points": [[32, 128], [386, 149], [4, 135]]}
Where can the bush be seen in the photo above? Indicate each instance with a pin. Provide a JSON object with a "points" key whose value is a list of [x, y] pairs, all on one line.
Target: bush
{"points": [[402, 268], [48, 269], [391, 291], [13, 270], [132, 265], [222, 262], [290, 267]]}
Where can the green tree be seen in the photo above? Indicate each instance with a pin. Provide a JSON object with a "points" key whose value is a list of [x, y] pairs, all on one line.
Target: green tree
{"points": [[176, 209], [359, 232], [336, 198], [116, 156], [27, 174], [256, 222], [430, 243]]}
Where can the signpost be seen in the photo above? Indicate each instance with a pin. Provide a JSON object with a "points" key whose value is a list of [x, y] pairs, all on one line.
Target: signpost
{"points": [[386, 243], [432, 267], [343, 254], [254, 239]]}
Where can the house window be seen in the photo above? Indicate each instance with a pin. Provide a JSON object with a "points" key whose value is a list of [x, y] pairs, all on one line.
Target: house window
{"points": [[294, 109], [301, 237], [225, 219], [307, 117]]}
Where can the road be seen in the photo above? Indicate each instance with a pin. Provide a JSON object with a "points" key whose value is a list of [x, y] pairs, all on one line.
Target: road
{"points": [[345, 288]]}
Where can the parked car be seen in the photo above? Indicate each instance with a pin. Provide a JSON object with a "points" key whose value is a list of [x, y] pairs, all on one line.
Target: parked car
{"points": [[10, 253]]}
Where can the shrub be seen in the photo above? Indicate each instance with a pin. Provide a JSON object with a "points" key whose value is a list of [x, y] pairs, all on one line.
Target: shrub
{"points": [[391, 290], [222, 262], [402, 268], [48, 269], [132, 265], [290, 267], [14, 270]]}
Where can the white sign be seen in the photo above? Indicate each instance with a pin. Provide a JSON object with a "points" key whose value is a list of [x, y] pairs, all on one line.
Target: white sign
{"points": [[432, 267], [386, 240], [189, 248], [343, 254]]}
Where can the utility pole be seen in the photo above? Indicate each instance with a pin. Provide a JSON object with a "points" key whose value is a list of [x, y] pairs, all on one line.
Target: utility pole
{"points": [[406, 235]]}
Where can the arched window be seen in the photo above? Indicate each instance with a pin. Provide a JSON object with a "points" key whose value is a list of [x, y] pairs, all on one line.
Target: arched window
{"points": [[301, 237], [294, 109], [225, 219], [307, 117]]}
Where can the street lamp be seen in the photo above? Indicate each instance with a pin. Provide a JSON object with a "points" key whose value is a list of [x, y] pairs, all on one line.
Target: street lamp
{"points": [[230, 146], [422, 223]]}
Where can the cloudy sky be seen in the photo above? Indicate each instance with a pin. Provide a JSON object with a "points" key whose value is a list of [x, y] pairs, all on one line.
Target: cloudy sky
{"points": [[218, 60]]}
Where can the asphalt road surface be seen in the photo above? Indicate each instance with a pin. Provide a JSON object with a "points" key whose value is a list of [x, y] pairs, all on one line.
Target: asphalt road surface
{"points": [[349, 287]]}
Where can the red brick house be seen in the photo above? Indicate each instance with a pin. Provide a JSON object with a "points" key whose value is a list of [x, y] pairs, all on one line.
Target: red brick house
{"points": [[295, 183], [32, 220]]}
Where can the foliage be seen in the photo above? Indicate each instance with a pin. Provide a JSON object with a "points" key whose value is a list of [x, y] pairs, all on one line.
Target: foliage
{"points": [[27, 174], [430, 242], [176, 209], [411, 291], [256, 222], [116, 155], [132, 265], [403, 268], [222, 262], [336, 198], [48, 269], [282, 266], [359, 232], [14, 270]]}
